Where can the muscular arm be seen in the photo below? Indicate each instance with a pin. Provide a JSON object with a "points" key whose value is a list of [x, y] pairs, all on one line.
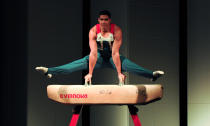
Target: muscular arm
{"points": [[93, 50], [116, 47]]}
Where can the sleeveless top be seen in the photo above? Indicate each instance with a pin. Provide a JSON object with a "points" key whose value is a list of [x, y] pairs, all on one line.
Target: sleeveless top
{"points": [[104, 44]]}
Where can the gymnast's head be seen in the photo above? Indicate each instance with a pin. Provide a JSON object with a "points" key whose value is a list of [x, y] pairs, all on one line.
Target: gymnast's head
{"points": [[104, 18]]}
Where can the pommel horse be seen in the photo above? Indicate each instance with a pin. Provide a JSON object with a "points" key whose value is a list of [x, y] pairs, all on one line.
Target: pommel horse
{"points": [[105, 94]]}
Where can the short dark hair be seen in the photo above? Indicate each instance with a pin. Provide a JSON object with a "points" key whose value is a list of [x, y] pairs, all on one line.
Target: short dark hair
{"points": [[104, 12]]}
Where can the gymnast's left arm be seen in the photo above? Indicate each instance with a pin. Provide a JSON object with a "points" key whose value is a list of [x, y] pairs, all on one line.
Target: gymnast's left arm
{"points": [[115, 52]]}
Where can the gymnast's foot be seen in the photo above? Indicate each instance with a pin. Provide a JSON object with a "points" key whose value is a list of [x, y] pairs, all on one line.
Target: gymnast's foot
{"points": [[44, 70], [157, 74]]}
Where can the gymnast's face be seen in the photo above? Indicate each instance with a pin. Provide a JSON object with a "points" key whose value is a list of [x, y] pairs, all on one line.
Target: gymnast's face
{"points": [[104, 20]]}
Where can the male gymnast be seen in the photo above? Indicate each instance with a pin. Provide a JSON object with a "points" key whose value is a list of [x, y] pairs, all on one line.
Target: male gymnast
{"points": [[105, 40]]}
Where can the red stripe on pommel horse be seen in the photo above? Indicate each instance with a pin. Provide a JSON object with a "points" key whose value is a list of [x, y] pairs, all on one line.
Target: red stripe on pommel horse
{"points": [[74, 120], [133, 111], [76, 114]]}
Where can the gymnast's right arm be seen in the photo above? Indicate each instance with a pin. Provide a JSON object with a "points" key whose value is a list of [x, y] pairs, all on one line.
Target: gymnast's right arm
{"points": [[93, 50]]}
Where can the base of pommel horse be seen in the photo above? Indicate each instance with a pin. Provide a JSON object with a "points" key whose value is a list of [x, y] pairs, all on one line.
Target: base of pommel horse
{"points": [[81, 95], [78, 109]]}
